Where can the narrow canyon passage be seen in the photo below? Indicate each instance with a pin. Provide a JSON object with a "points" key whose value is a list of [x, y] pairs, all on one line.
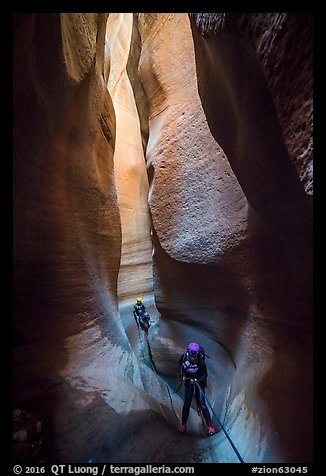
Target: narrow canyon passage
{"points": [[167, 156]]}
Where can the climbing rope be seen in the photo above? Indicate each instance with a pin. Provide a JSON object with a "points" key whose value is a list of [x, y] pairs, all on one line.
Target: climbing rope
{"points": [[141, 342], [178, 418], [177, 390], [199, 411], [219, 422], [152, 363], [151, 359]]}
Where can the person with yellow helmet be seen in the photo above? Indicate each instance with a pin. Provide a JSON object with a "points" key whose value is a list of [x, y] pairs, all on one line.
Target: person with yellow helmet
{"points": [[141, 315]]}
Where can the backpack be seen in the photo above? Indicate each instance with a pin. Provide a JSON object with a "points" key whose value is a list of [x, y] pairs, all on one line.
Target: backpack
{"points": [[202, 353]]}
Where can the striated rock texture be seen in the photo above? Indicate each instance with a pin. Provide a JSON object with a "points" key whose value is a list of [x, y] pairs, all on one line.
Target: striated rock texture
{"points": [[283, 43], [196, 202], [72, 359], [197, 100], [232, 221], [135, 274]]}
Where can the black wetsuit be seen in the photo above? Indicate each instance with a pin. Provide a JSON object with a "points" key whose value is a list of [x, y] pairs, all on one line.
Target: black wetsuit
{"points": [[141, 316], [191, 369]]}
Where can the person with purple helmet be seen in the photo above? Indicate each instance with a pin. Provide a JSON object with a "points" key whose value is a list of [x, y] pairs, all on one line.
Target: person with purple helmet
{"points": [[193, 369]]}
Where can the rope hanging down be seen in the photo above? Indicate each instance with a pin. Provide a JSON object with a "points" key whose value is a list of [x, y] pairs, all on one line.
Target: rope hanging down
{"points": [[151, 359], [141, 342], [219, 422]]}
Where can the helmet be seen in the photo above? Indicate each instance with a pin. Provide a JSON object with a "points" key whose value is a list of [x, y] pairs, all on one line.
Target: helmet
{"points": [[139, 300], [193, 348]]}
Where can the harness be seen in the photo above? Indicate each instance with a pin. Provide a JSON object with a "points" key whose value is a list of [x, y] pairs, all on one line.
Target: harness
{"points": [[140, 310], [189, 367]]}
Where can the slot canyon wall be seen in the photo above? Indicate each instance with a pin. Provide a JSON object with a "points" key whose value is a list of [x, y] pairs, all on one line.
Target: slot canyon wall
{"points": [[167, 156]]}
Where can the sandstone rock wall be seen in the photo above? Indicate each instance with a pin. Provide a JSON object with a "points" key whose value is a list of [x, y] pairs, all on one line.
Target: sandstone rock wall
{"points": [[71, 353], [283, 43], [232, 229], [131, 181]]}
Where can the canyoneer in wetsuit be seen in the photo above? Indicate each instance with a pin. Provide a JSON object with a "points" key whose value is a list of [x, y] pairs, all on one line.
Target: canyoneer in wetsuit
{"points": [[193, 369], [141, 315]]}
